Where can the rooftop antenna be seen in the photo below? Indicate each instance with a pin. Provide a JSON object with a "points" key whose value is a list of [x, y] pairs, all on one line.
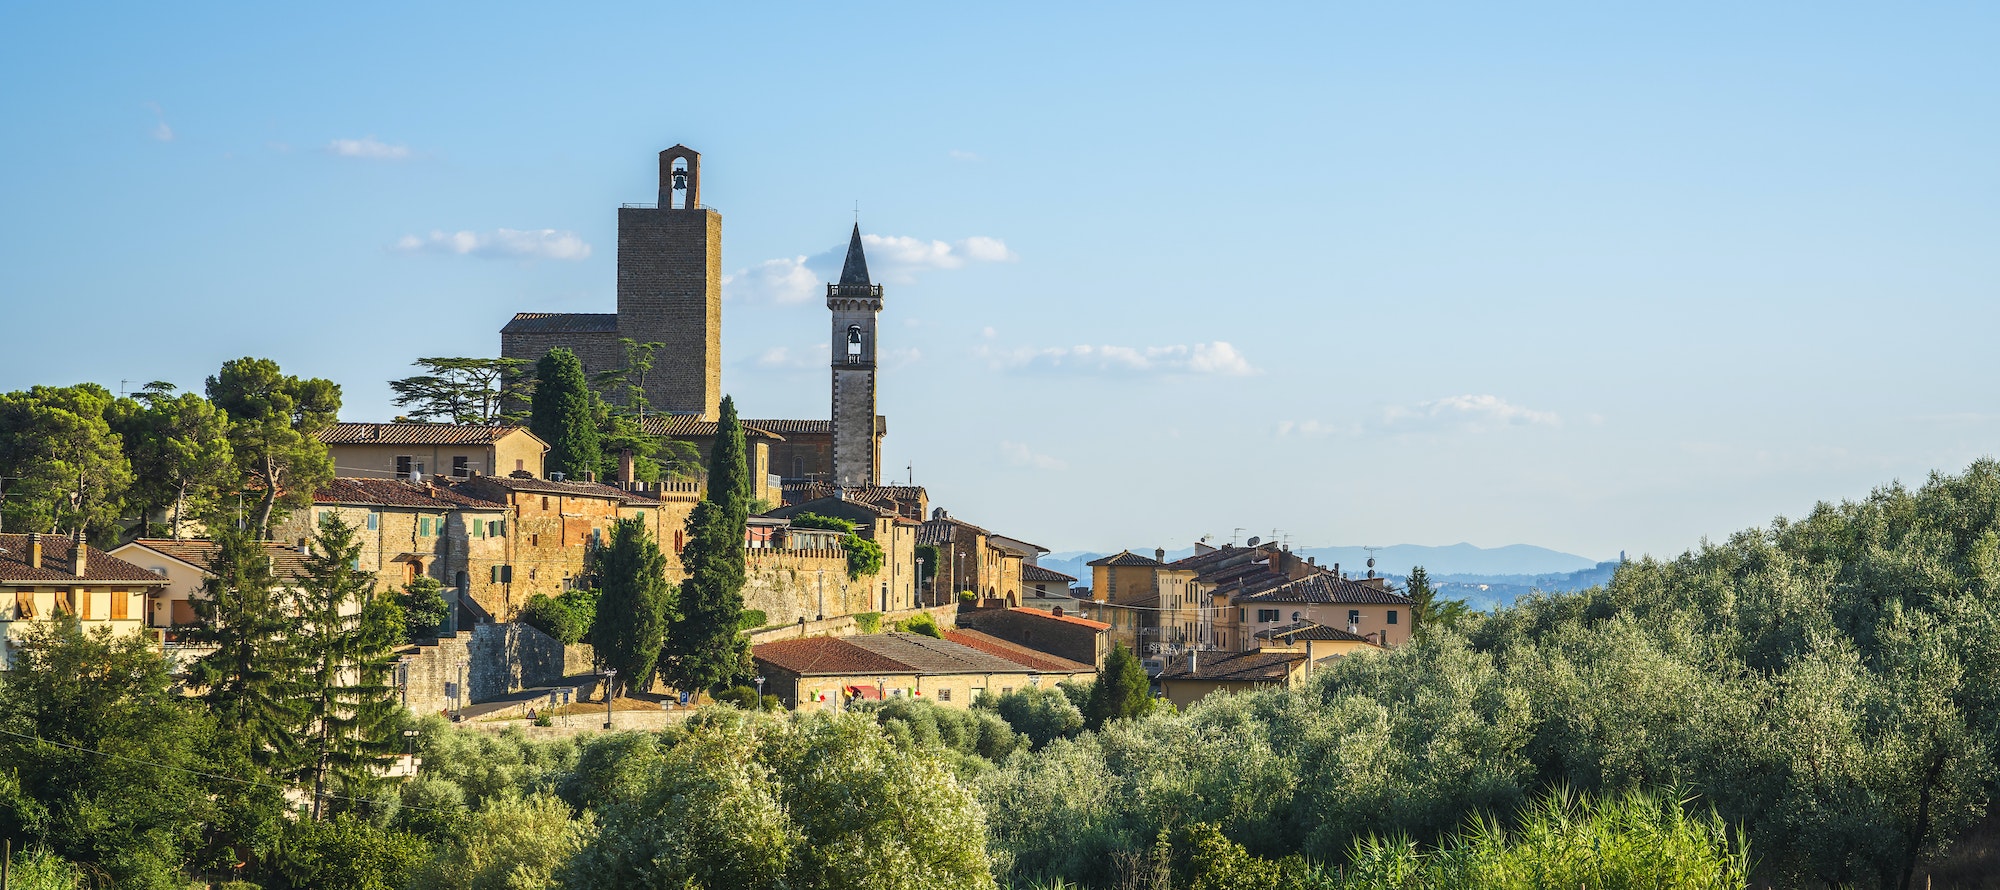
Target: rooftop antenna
{"points": [[1234, 535], [857, 212], [1371, 558], [121, 387], [911, 467]]}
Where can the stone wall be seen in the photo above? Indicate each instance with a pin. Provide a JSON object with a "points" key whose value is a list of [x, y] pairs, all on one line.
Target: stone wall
{"points": [[498, 659], [597, 350], [844, 626], [787, 585]]}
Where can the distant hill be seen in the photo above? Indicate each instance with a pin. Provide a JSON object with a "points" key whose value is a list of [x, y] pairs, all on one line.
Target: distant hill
{"points": [[1454, 559]]}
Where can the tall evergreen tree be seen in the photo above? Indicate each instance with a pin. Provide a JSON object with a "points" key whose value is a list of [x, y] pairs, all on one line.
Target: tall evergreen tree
{"points": [[634, 605], [561, 414], [347, 637], [1121, 689], [250, 681], [274, 425], [704, 646], [66, 464]]}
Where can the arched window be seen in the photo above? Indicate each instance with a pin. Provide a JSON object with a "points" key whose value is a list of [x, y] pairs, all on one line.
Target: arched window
{"points": [[854, 344]]}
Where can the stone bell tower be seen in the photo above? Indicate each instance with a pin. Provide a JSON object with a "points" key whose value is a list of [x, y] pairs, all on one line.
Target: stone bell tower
{"points": [[670, 288], [854, 304]]}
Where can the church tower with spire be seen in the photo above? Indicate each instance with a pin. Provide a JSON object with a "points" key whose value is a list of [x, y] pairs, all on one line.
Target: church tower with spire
{"points": [[854, 304]]}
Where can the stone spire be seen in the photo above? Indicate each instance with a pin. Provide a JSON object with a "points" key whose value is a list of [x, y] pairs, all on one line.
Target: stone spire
{"points": [[855, 271]]}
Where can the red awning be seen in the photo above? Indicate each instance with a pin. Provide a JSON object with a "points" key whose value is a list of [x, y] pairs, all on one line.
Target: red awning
{"points": [[867, 692]]}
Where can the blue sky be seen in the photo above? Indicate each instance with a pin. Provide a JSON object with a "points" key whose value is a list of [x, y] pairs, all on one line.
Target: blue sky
{"points": [[1587, 277]]}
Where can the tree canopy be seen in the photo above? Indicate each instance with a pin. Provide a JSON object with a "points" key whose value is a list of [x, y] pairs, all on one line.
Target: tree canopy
{"points": [[705, 647], [634, 605], [275, 421], [562, 414], [463, 390]]}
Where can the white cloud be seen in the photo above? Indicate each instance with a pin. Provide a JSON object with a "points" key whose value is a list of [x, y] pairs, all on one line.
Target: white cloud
{"points": [[547, 244], [785, 358], [161, 131], [1217, 358], [368, 147], [1017, 454], [892, 259], [1465, 413], [958, 155], [783, 281], [1476, 410]]}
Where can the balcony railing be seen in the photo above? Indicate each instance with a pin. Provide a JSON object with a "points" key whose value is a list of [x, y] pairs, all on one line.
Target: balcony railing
{"points": [[854, 290]]}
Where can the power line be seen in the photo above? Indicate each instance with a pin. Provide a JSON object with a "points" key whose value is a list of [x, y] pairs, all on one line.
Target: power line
{"points": [[196, 772]]}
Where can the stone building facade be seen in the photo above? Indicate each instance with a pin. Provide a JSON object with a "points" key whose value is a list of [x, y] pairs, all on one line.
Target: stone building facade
{"points": [[409, 530], [669, 292], [422, 450]]}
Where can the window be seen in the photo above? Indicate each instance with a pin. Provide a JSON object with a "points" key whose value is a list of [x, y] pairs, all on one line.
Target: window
{"points": [[424, 526], [1006, 690], [499, 528], [374, 520], [1392, 616], [503, 574], [403, 465], [944, 695], [460, 466], [24, 604], [120, 602], [535, 540], [678, 542], [545, 502], [1239, 615], [479, 529], [1267, 616], [85, 612], [1354, 617]]}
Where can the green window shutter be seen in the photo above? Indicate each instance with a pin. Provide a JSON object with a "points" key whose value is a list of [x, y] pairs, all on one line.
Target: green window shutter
{"points": [[496, 574], [479, 529], [373, 519], [424, 526], [500, 524]]}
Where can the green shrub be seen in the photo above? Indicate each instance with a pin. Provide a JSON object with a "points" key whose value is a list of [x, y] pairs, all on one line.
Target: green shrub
{"points": [[39, 868], [752, 619], [967, 597], [348, 853], [868, 622], [828, 523], [864, 557], [921, 623], [742, 697], [567, 618], [1043, 715], [424, 608]]}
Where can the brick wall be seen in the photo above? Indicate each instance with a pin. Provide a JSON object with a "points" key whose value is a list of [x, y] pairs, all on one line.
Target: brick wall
{"points": [[670, 292]]}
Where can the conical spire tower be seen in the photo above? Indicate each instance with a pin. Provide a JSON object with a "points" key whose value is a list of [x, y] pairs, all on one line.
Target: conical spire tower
{"points": [[855, 303]]}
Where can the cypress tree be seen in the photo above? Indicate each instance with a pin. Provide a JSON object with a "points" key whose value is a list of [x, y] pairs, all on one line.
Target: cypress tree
{"points": [[560, 414], [1122, 689], [633, 605], [705, 647], [347, 637], [251, 680]]}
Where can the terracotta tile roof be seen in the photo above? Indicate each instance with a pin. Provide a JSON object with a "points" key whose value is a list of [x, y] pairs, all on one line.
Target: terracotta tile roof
{"points": [[824, 655], [692, 426], [1037, 573], [943, 530], [1071, 619], [396, 493], [1124, 558], [1239, 667], [1323, 587], [98, 565], [415, 434], [286, 560], [790, 427], [1225, 554], [929, 655], [1015, 652], [470, 488], [562, 323]]}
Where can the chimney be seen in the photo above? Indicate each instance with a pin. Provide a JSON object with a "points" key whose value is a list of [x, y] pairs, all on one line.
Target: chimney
{"points": [[1160, 554], [34, 550], [627, 469], [79, 555], [1312, 560]]}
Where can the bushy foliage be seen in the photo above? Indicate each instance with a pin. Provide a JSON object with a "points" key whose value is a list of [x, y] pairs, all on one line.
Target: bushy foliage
{"points": [[512, 843], [921, 623], [39, 868], [568, 618], [345, 852], [424, 608], [1043, 715], [868, 622], [978, 738], [755, 802], [1122, 689]]}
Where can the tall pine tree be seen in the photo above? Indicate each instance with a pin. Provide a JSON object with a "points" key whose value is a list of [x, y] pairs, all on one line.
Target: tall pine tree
{"points": [[251, 680], [560, 414], [347, 637], [634, 605], [705, 647]]}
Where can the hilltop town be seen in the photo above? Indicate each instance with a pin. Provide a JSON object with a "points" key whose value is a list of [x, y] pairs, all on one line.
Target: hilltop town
{"points": [[478, 510]]}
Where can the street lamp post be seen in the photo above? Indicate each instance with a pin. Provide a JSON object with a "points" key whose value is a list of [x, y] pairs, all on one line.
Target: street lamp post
{"points": [[608, 674], [920, 581], [760, 692], [822, 596], [458, 701]]}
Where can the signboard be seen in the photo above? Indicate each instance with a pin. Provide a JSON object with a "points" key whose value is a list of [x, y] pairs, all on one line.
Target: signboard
{"points": [[450, 690], [684, 698]]}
